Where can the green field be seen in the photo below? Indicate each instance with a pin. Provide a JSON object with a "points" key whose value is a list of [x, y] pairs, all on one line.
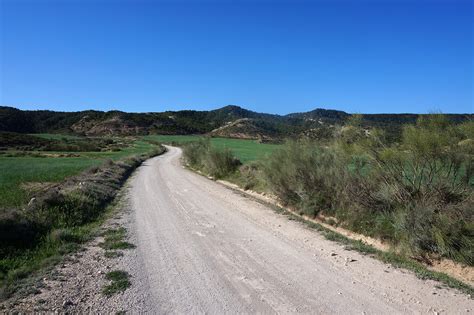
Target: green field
{"points": [[49, 167], [16, 171], [245, 150]]}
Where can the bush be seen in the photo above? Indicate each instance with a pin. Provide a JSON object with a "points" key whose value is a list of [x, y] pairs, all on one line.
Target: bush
{"points": [[17, 230], [416, 194], [214, 162], [305, 175], [251, 176]]}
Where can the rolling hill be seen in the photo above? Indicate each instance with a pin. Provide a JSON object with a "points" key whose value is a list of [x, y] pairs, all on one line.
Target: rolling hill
{"points": [[229, 121]]}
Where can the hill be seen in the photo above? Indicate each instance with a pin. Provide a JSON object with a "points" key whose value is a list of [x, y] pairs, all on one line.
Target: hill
{"points": [[247, 128], [228, 121]]}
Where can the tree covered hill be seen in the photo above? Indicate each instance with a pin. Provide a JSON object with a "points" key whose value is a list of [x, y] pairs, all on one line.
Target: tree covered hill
{"points": [[216, 122]]}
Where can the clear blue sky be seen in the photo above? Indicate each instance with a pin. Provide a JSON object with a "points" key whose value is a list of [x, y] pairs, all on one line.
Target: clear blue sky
{"points": [[267, 56]]}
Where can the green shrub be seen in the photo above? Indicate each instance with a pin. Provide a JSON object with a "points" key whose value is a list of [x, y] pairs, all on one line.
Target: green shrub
{"points": [[214, 162], [416, 194], [18, 231], [305, 175], [427, 180], [250, 176]]}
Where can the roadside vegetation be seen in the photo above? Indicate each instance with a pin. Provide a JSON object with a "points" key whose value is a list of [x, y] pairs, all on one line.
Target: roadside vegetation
{"points": [[114, 239], [414, 192], [215, 162], [245, 150], [55, 202], [120, 281]]}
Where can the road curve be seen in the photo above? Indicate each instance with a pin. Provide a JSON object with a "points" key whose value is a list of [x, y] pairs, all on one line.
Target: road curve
{"points": [[202, 248]]}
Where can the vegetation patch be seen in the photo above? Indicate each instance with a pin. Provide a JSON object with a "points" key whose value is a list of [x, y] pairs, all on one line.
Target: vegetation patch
{"points": [[58, 143], [120, 281], [114, 240], [416, 194], [18, 169], [245, 150], [214, 162]]}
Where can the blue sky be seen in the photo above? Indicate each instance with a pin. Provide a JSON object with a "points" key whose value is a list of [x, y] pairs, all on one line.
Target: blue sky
{"points": [[267, 56]]}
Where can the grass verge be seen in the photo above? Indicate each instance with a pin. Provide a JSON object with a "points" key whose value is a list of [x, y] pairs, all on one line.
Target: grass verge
{"points": [[27, 268]]}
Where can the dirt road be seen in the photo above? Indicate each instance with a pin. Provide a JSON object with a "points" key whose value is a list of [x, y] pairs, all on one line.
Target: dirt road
{"points": [[204, 248]]}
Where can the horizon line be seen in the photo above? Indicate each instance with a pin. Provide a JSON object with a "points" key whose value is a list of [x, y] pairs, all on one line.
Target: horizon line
{"points": [[239, 106]]}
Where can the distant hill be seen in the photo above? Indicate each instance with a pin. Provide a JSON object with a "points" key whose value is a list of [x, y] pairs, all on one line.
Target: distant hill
{"points": [[247, 128], [228, 121], [322, 114]]}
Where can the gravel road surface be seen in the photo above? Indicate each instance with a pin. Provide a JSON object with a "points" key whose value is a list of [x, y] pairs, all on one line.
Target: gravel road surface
{"points": [[203, 248]]}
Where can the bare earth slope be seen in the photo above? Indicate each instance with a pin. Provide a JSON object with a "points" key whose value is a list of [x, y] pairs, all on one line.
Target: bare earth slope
{"points": [[204, 248]]}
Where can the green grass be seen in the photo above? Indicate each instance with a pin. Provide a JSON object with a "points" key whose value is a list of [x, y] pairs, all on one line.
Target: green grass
{"points": [[16, 268], [120, 282], [15, 171], [114, 239], [244, 150]]}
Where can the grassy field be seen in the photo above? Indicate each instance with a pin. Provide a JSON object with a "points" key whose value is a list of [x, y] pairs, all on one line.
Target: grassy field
{"points": [[54, 136], [245, 150], [18, 171]]}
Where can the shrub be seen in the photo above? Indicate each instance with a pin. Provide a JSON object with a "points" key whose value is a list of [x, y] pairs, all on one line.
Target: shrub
{"points": [[220, 163], [214, 162], [305, 175], [416, 194], [251, 176], [423, 187], [17, 230], [194, 152]]}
